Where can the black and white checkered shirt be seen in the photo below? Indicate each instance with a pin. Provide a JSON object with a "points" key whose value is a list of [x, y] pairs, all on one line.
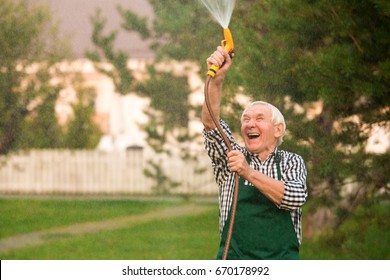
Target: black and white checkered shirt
{"points": [[293, 173]]}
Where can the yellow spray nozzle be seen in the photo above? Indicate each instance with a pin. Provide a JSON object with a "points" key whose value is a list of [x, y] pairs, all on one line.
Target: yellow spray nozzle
{"points": [[228, 45]]}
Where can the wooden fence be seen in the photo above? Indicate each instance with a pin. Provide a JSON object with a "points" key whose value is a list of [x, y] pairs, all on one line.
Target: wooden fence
{"points": [[96, 172]]}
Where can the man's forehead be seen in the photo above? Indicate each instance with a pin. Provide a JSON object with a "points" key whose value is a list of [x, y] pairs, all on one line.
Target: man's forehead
{"points": [[257, 109]]}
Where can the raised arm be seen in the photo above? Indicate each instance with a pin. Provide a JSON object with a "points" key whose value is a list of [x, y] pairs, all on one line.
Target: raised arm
{"points": [[219, 57]]}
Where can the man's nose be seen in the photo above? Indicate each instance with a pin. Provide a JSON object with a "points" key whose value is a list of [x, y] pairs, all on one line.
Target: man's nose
{"points": [[251, 123]]}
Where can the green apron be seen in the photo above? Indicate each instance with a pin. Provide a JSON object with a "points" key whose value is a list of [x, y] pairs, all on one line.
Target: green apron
{"points": [[261, 230]]}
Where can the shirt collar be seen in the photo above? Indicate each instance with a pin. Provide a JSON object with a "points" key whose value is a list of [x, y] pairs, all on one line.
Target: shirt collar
{"points": [[254, 155]]}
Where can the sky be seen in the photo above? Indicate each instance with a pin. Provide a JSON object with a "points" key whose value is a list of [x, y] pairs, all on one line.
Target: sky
{"points": [[74, 17]]}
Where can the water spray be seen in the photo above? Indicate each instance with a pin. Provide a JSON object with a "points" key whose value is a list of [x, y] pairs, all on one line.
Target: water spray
{"points": [[222, 11]]}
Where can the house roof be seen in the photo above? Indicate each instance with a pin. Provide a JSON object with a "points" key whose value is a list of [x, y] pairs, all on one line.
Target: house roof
{"points": [[74, 17]]}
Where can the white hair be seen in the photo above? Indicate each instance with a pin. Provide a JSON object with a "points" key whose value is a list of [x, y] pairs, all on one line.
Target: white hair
{"points": [[276, 117]]}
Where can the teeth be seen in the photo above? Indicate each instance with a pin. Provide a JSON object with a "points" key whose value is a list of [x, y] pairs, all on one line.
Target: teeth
{"points": [[253, 135]]}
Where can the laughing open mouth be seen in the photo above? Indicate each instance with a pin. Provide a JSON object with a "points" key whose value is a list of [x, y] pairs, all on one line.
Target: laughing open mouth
{"points": [[253, 135]]}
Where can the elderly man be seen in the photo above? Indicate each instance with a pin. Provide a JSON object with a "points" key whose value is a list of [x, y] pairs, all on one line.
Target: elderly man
{"points": [[272, 182]]}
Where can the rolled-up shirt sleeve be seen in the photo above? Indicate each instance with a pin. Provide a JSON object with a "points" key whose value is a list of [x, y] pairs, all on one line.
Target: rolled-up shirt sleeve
{"points": [[216, 150], [294, 179]]}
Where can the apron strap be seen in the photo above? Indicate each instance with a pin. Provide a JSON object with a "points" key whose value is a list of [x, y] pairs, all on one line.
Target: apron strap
{"points": [[278, 162], [278, 166]]}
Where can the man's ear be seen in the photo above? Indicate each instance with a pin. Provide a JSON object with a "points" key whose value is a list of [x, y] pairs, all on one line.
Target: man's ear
{"points": [[278, 130]]}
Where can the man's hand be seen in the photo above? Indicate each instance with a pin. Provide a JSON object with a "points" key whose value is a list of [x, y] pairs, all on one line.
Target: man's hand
{"points": [[237, 163], [271, 188], [220, 57]]}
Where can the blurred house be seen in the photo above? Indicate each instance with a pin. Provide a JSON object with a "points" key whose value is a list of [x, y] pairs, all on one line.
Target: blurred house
{"points": [[74, 20], [120, 117]]}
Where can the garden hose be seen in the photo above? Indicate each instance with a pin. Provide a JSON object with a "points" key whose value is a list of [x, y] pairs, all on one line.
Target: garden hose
{"points": [[228, 45]]}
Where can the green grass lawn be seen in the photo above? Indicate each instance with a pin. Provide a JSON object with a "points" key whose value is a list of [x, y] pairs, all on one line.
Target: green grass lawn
{"points": [[363, 236], [192, 237], [25, 215], [179, 238]]}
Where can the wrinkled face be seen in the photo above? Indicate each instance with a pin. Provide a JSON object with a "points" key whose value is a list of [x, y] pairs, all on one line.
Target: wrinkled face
{"points": [[259, 133]]}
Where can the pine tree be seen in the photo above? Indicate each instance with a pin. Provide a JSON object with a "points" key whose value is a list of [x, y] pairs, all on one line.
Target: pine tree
{"points": [[332, 55], [324, 63], [27, 51]]}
